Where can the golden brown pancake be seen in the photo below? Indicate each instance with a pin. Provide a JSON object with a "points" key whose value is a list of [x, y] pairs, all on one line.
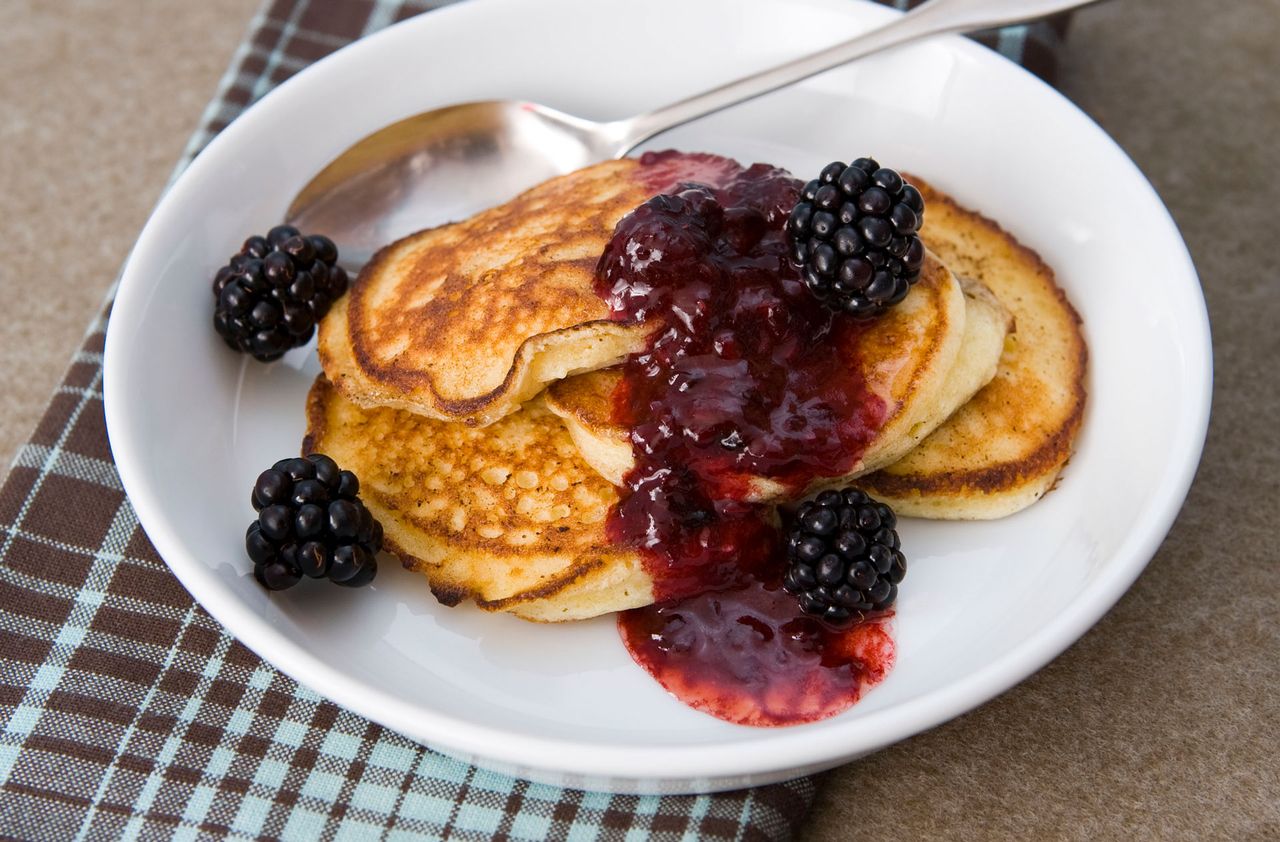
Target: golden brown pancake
{"points": [[925, 358], [469, 320], [1004, 448], [506, 515]]}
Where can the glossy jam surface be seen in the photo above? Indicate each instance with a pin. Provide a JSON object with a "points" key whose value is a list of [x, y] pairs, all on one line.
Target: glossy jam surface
{"points": [[748, 656], [746, 377]]}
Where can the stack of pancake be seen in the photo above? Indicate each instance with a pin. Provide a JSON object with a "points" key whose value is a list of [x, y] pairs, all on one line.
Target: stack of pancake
{"points": [[467, 381]]}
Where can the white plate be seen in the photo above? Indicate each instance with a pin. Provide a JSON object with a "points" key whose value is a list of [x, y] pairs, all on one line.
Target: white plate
{"points": [[985, 604]]}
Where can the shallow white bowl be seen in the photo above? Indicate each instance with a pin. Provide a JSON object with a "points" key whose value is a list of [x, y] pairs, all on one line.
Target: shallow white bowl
{"points": [[985, 604]]}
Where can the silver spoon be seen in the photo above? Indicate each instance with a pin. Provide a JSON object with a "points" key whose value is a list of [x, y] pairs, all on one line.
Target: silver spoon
{"points": [[449, 163]]}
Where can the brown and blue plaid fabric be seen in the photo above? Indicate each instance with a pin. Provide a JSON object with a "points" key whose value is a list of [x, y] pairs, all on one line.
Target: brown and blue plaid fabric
{"points": [[128, 712]]}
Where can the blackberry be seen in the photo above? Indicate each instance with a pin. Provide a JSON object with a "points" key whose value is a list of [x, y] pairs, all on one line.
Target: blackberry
{"points": [[843, 556], [853, 235], [270, 295], [311, 523]]}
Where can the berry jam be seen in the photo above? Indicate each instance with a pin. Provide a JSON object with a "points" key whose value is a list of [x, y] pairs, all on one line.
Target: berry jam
{"points": [[747, 377], [750, 657]]}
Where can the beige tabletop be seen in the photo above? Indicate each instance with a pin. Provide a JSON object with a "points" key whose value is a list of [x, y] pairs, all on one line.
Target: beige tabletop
{"points": [[1162, 722]]}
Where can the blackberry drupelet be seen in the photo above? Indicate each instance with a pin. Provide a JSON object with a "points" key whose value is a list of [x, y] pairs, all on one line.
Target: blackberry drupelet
{"points": [[843, 556], [853, 234], [270, 295], [311, 523]]}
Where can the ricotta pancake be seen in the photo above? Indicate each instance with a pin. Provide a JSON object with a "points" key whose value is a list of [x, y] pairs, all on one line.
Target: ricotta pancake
{"points": [[467, 321], [508, 516], [1005, 448]]}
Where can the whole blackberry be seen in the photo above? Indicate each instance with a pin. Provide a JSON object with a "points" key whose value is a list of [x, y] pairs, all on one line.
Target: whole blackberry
{"points": [[311, 523], [843, 556], [270, 295], [853, 233]]}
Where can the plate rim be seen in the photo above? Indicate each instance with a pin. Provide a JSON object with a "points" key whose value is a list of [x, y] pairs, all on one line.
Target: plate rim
{"points": [[789, 749]]}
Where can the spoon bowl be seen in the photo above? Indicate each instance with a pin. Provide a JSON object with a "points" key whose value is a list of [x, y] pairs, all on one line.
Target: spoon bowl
{"points": [[440, 166]]}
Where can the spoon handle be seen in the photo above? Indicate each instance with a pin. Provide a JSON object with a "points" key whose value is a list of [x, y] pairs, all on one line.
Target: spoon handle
{"points": [[932, 18]]}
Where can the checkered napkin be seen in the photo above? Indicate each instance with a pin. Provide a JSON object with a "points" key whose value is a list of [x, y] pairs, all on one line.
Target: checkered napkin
{"points": [[128, 712]]}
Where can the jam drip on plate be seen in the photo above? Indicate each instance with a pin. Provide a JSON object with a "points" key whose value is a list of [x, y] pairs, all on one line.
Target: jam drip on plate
{"points": [[750, 657], [746, 380]]}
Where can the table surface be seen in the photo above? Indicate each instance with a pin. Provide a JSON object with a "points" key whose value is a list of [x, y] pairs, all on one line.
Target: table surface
{"points": [[1161, 722]]}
